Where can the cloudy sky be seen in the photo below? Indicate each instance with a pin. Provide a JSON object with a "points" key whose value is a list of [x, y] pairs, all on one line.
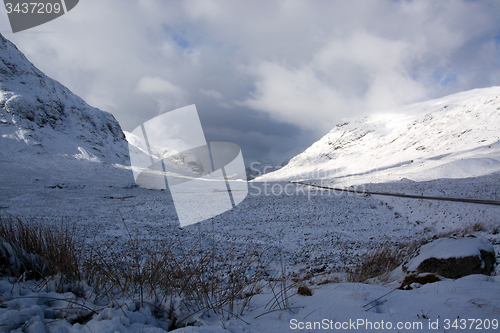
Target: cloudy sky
{"points": [[268, 75]]}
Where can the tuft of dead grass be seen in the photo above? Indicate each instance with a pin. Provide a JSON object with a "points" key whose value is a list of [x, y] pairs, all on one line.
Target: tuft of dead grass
{"points": [[35, 250], [304, 291], [467, 230], [381, 261]]}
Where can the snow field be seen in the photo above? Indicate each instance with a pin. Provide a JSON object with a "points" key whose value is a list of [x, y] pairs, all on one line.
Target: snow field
{"points": [[317, 234]]}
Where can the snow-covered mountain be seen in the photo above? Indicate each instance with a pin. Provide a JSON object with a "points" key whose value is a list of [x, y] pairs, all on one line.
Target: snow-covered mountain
{"points": [[48, 132], [456, 136]]}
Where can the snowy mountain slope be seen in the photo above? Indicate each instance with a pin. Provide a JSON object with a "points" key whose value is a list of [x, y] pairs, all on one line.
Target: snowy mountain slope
{"points": [[47, 131], [456, 136]]}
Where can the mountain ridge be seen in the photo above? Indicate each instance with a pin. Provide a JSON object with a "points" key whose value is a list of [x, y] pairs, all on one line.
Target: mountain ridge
{"points": [[455, 136]]}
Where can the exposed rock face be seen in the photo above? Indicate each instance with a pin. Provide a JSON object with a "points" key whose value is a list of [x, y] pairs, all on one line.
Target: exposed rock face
{"points": [[453, 258]]}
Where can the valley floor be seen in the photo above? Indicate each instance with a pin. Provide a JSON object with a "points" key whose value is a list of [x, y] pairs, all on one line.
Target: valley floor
{"points": [[318, 233], [313, 227]]}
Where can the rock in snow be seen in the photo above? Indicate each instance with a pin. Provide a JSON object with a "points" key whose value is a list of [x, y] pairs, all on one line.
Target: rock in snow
{"points": [[453, 257], [45, 127]]}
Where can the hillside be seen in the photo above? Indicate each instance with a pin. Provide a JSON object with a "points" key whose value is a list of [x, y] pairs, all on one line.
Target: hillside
{"points": [[456, 136], [47, 132]]}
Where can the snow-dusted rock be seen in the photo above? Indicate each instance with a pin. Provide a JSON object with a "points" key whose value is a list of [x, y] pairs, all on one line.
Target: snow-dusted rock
{"points": [[453, 257]]}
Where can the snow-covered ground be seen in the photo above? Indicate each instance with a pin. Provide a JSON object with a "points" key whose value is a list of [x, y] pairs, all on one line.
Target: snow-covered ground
{"points": [[468, 304], [314, 228], [319, 233]]}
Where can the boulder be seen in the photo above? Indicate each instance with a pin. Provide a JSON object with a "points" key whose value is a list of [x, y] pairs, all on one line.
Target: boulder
{"points": [[453, 257]]}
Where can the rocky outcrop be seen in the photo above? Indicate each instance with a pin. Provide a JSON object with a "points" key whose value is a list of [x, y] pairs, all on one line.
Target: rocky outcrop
{"points": [[453, 258]]}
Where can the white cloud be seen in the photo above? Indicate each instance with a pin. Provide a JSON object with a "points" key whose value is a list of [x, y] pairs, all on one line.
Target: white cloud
{"points": [[348, 76], [295, 96], [211, 93], [167, 95], [157, 86]]}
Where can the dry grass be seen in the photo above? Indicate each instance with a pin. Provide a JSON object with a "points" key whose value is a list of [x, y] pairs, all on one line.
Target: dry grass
{"points": [[380, 261], [383, 260], [304, 291], [176, 281], [469, 229], [35, 250]]}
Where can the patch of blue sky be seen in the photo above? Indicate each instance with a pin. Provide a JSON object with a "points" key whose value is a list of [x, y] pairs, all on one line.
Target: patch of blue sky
{"points": [[176, 37], [444, 78], [182, 42]]}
